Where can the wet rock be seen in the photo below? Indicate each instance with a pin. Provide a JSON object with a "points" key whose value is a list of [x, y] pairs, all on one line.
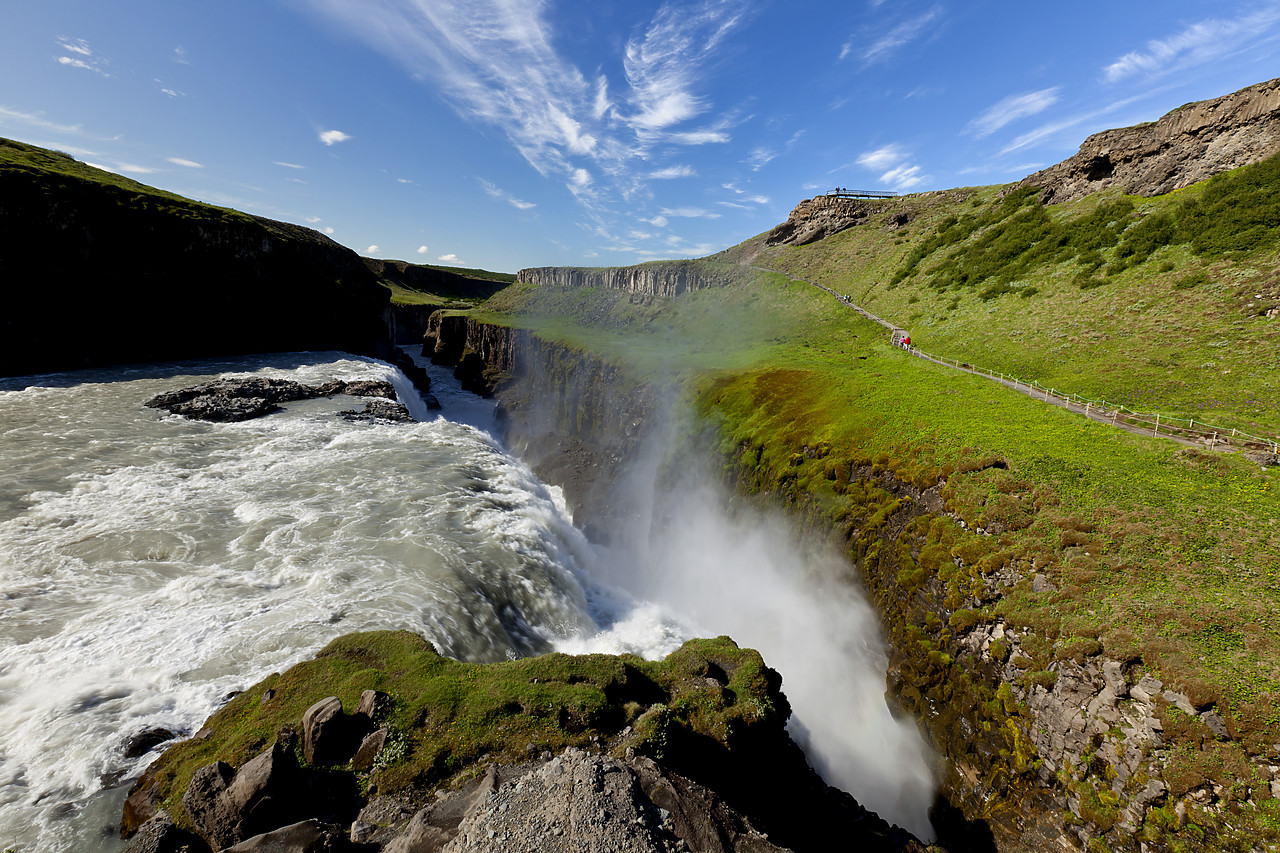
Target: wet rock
{"points": [[241, 399], [379, 410], [146, 740]]}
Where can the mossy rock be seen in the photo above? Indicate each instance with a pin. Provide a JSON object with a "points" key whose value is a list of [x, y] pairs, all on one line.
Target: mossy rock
{"points": [[446, 716]]}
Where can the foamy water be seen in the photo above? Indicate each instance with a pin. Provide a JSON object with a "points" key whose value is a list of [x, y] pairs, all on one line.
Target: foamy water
{"points": [[151, 566]]}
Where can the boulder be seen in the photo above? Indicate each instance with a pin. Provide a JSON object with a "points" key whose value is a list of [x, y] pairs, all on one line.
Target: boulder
{"points": [[160, 835], [308, 836], [228, 806], [325, 732], [146, 740]]}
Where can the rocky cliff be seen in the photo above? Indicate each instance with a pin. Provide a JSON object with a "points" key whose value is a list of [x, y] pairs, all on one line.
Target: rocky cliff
{"points": [[816, 218], [110, 271], [575, 417], [661, 278], [415, 752], [1189, 144]]}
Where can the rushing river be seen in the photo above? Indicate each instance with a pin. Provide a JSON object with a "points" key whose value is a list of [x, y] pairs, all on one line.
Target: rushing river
{"points": [[151, 566]]}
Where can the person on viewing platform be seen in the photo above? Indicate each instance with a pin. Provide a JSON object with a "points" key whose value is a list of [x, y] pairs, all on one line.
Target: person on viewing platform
{"points": [[906, 342]]}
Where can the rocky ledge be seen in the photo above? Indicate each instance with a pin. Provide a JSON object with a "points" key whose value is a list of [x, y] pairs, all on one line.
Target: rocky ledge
{"points": [[1192, 143], [227, 400], [555, 753]]}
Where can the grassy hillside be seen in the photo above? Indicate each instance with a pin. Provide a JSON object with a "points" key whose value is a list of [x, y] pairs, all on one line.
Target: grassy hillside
{"points": [[1159, 304], [1159, 555]]}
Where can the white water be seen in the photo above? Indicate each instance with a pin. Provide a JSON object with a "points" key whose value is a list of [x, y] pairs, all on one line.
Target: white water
{"points": [[151, 565]]}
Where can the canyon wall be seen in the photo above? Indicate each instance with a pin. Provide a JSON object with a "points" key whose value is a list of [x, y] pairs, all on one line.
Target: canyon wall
{"points": [[661, 278], [1047, 745]]}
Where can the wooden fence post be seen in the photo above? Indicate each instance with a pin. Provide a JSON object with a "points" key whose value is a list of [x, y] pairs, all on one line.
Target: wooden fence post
{"points": [[1157, 429]]}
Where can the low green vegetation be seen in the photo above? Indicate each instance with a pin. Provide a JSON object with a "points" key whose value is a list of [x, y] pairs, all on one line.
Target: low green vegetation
{"points": [[1154, 553], [1168, 304], [446, 716]]}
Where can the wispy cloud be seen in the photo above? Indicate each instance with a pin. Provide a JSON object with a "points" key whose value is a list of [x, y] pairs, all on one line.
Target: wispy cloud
{"points": [[180, 56], [1198, 43], [332, 137], [899, 172], [689, 213], [78, 54], [885, 45], [492, 189], [496, 63], [672, 172], [36, 120], [190, 164], [1011, 109], [288, 165], [1052, 129]]}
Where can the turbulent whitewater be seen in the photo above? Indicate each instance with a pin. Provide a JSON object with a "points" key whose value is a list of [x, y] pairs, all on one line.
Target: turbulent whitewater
{"points": [[151, 566]]}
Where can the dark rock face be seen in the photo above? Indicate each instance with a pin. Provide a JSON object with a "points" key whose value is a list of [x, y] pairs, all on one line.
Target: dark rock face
{"points": [[1194, 142], [225, 400], [160, 835], [143, 276], [379, 410]]}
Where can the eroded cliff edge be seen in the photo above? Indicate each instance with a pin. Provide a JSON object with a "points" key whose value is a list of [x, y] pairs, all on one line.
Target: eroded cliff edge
{"points": [[1049, 739]]}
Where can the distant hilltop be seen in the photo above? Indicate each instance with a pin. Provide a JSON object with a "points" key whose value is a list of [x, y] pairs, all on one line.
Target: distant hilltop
{"points": [[1193, 142]]}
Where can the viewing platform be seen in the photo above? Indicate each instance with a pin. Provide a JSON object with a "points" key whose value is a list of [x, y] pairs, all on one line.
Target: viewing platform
{"points": [[841, 192]]}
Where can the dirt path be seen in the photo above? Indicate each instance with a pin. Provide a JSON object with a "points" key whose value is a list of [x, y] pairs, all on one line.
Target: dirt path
{"points": [[1103, 416]]}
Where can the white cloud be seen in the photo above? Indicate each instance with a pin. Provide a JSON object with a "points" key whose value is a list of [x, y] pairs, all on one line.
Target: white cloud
{"points": [[180, 56], [422, 250], [657, 221], [190, 164], [899, 172], [373, 250], [759, 158], [172, 93], [493, 190], [331, 137], [450, 258], [134, 169], [329, 230], [689, 213], [1053, 128], [81, 56], [1011, 109], [403, 181], [496, 63], [883, 47], [37, 120], [671, 172], [288, 165], [312, 220], [1198, 43], [882, 158], [79, 46]]}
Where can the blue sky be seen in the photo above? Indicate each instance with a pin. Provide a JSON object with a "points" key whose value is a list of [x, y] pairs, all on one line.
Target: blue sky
{"points": [[512, 133]]}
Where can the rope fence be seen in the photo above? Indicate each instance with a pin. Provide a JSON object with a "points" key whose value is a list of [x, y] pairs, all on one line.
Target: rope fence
{"points": [[1098, 410]]}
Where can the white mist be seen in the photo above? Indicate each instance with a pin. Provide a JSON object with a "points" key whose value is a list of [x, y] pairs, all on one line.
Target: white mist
{"points": [[746, 574]]}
